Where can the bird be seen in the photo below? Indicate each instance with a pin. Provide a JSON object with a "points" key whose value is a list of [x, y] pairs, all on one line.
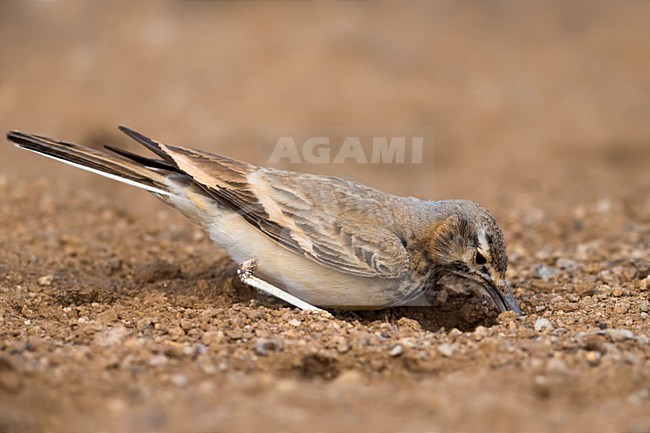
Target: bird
{"points": [[316, 242]]}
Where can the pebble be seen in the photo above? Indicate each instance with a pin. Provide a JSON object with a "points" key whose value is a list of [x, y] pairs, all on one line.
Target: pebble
{"points": [[174, 350], [158, 360], [481, 332], [618, 334], [234, 334], [179, 380], [176, 331], [446, 350], [186, 324], [405, 323], [207, 368], [593, 357], [396, 351], [621, 308], [46, 280], [545, 272], [594, 342], [543, 324], [566, 264], [108, 316], [264, 347], [295, 323], [211, 338], [343, 347], [112, 336], [643, 285]]}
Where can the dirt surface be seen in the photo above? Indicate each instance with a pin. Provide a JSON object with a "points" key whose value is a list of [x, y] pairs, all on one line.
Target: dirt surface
{"points": [[116, 314]]}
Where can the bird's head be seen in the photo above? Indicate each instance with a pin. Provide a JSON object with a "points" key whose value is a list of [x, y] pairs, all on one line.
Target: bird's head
{"points": [[469, 244]]}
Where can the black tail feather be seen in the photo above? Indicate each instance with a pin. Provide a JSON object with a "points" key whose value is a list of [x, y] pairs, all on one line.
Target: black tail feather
{"points": [[147, 142], [148, 162]]}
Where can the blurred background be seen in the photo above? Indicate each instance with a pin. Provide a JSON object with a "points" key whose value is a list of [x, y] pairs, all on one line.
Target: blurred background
{"points": [[531, 104]]}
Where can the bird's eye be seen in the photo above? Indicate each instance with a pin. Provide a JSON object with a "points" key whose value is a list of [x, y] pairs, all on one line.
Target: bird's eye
{"points": [[480, 259]]}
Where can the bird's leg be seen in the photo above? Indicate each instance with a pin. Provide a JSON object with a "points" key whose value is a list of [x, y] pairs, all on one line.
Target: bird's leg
{"points": [[245, 273]]}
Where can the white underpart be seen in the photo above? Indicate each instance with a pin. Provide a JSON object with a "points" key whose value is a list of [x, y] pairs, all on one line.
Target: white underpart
{"points": [[101, 173], [245, 273]]}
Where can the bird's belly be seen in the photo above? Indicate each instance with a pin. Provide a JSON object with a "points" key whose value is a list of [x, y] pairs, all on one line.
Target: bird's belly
{"points": [[303, 278]]}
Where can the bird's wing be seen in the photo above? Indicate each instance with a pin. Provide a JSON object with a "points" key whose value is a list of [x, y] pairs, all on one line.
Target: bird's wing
{"points": [[338, 224]]}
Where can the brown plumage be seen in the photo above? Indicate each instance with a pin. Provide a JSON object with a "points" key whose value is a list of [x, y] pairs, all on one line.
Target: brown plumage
{"points": [[325, 240]]}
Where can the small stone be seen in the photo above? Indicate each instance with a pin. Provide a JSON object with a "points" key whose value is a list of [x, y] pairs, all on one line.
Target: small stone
{"points": [[158, 360], [179, 380], [593, 357], [207, 368], [481, 332], [566, 264], [621, 308], [644, 306], [643, 285], [263, 347], [176, 331], [108, 316], [404, 323], [234, 334], [174, 350], [113, 265], [643, 315], [619, 334], [46, 280], [112, 336], [446, 350], [506, 317], [544, 272], [342, 346], [642, 269], [543, 324], [132, 344], [186, 324], [211, 338], [295, 323], [396, 351], [594, 342]]}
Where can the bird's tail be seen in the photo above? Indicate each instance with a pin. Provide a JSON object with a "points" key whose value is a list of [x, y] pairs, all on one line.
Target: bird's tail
{"points": [[145, 173]]}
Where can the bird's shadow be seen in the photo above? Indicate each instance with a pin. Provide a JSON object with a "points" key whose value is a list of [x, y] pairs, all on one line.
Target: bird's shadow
{"points": [[429, 318], [462, 311]]}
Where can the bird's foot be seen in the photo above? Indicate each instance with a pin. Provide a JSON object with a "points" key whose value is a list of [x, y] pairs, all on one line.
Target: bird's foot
{"points": [[245, 273]]}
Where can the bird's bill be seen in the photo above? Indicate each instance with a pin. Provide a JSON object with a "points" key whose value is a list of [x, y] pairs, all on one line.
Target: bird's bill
{"points": [[502, 297]]}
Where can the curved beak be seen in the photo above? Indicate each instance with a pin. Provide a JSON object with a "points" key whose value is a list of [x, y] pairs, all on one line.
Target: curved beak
{"points": [[502, 296]]}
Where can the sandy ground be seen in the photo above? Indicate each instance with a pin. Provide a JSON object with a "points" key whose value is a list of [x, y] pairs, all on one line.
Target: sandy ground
{"points": [[116, 314]]}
